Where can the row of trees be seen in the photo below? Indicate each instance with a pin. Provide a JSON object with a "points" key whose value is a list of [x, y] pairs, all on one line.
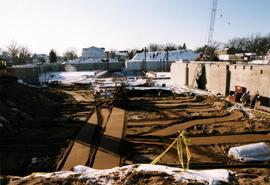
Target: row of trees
{"points": [[165, 47], [254, 44], [157, 47], [69, 54], [19, 54]]}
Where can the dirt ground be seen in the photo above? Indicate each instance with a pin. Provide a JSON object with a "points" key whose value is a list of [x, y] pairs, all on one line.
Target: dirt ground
{"points": [[56, 129], [40, 127], [152, 124]]}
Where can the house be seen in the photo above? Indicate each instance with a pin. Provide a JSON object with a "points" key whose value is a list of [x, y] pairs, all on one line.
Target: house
{"points": [[40, 58], [93, 53], [159, 60]]}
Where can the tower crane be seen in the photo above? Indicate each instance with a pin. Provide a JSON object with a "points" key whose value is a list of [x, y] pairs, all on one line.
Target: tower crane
{"points": [[211, 27]]}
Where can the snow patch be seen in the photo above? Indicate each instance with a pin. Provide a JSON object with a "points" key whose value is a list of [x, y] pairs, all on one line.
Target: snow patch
{"points": [[241, 108], [82, 77], [163, 56], [121, 174]]}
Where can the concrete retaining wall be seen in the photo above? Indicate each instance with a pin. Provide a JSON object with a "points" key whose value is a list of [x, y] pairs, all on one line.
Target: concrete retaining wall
{"points": [[30, 74], [149, 66], [179, 73], [253, 77], [223, 77]]}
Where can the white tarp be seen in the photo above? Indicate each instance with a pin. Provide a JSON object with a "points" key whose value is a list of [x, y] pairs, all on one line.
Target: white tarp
{"points": [[251, 152]]}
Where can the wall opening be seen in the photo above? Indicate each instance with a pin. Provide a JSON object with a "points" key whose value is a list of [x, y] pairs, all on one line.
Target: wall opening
{"points": [[201, 78], [228, 80]]}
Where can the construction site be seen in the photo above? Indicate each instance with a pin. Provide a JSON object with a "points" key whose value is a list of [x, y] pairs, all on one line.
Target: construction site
{"points": [[111, 123], [162, 116]]}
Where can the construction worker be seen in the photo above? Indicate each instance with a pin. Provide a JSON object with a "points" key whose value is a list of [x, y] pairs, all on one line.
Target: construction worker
{"points": [[245, 98], [254, 99]]}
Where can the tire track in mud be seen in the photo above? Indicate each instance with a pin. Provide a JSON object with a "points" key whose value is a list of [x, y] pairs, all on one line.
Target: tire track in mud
{"points": [[86, 142], [100, 129], [148, 135], [172, 130]]}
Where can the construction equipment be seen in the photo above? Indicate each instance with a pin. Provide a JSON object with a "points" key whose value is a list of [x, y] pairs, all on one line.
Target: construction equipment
{"points": [[207, 52]]}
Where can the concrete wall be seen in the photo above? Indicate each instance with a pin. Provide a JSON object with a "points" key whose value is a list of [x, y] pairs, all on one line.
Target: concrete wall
{"points": [[30, 74], [179, 72], [149, 66], [253, 77], [216, 76], [223, 77]]}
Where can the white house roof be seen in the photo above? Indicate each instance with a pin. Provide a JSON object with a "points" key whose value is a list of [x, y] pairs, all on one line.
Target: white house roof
{"points": [[162, 56]]}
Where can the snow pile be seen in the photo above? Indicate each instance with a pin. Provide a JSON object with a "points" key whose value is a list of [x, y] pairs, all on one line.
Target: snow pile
{"points": [[162, 75], [131, 82], [24, 66], [88, 60], [251, 152], [241, 108], [135, 174], [259, 62], [162, 56]]}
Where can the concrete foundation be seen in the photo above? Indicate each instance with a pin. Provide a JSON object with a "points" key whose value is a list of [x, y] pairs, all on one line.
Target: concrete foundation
{"points": [[30, 74], [149, 65], [223, 77]]}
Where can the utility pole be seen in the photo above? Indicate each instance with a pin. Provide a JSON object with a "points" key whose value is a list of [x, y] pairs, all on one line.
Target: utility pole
{"points": [[144, 62]]}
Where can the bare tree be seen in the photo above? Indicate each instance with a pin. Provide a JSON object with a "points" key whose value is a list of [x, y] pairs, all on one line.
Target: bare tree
{"points": [[254, 43], [70, 54], [170, 47], [131, 53], [13, 51], [182, 46], [235, 45], [112, 53], [25, 55], [154, 47]]}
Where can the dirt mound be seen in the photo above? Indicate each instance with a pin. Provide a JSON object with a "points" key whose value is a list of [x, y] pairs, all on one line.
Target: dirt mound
{"points": [[33, 131]]}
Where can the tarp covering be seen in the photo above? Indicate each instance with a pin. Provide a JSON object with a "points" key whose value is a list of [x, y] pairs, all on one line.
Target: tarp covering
{"points": [[251, 152]]}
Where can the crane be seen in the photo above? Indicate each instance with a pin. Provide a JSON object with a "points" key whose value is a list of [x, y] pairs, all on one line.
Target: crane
{"points": [[206, 54], [211, 26], [212, 22]]}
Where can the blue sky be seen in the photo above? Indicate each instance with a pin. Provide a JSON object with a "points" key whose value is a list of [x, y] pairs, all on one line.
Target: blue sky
{"points": [[122, 24]]}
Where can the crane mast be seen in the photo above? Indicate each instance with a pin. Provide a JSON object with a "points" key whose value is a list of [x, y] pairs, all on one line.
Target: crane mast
{"points": [[206, 53], [212, 22]]}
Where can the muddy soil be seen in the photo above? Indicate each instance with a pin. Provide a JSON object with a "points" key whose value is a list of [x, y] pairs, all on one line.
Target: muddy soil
{"points": [[40, 126], [153, 123], [45, 126]]}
